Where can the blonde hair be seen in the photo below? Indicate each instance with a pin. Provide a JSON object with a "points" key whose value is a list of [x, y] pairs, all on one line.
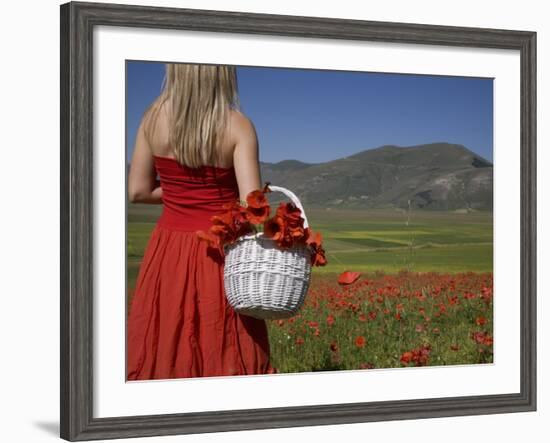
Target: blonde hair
{"points": [[200, 98]]}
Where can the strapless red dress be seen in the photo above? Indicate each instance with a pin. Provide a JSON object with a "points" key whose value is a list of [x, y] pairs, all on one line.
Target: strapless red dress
{"points": [[180, 324]]}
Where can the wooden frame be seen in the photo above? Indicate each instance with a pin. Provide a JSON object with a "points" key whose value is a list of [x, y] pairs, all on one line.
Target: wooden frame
{"points": [[77, 23]]}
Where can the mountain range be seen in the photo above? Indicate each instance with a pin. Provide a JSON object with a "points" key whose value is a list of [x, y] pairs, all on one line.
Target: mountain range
{"points": [[440, 176]]}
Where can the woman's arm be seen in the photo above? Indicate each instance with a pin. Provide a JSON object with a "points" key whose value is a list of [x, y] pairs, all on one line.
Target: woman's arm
{"points": [[143, 187], [245, 156]]}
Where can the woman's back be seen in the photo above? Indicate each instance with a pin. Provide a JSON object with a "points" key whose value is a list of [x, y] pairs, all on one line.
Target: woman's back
{"points": [[237, 151], [191, 196], [159, 136]]}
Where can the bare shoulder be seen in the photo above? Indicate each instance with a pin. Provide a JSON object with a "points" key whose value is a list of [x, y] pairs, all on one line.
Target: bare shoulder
{"points": [[157, 109], [241, 126], [156, 123]]}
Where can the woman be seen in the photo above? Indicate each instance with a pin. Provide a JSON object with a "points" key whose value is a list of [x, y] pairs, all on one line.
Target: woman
{"points": [[205, 152]]}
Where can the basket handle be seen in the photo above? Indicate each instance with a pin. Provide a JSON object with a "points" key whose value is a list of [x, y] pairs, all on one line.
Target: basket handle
{"points": [[293, 198]]}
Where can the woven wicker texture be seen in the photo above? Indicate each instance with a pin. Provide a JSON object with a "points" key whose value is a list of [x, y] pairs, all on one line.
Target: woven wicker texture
{"points": [[264, 281]]}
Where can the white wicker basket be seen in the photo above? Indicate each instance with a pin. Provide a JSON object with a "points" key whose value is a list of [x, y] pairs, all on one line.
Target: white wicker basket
{"points": [[264, 281]]}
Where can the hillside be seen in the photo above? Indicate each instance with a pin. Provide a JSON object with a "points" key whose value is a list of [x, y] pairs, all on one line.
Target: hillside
{"points": [[431, 176]]}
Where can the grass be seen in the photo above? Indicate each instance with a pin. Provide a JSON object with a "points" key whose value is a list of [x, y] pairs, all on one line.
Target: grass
{"points": [[371, 240]]}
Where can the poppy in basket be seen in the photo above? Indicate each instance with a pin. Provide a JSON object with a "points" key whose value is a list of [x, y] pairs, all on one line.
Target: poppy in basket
{"points": [[213, 240], [318, 253], [241, 225], [294, 221], [222, 227], [227, 226], [291, 213], [286, 227], [274, 228], [257, 207]]}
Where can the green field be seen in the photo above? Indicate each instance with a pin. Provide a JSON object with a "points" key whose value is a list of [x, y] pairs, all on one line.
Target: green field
{"points": [[371, 240], [389, 240]]}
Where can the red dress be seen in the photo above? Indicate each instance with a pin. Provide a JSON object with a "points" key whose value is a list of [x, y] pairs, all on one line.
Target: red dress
{"points": [[180, 324]]}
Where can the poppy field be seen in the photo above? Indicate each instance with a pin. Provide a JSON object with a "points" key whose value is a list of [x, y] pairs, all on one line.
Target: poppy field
{"points": [[386, 321], [421, 292]]}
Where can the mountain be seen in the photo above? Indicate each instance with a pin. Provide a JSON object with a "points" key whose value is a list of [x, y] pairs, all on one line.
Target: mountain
{"points": [[431, 176]]}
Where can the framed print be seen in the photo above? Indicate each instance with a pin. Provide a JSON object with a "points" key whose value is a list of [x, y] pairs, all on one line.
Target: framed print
{"points": [[272, 221]]}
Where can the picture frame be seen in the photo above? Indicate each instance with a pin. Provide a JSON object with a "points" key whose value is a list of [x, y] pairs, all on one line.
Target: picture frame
{"points": [[78, 20]]}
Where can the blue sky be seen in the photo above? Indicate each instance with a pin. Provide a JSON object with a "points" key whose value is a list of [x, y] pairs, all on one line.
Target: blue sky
{"points": [[317, 115]]}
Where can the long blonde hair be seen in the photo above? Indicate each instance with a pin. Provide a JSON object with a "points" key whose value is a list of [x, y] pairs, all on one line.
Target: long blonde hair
{"points": [[200, 99]]}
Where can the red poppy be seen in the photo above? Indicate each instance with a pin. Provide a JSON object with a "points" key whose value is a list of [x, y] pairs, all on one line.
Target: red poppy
{"points": [[274, 228], [279, 229], [228, 226], [330, 320], [224, 219], [306, 232], [318, 253], [258, 207], [480, 321], [367, 365], [296, 232], [222, 227], [236, 211], [348, 277], [333, 346], [291, 213], [212, 239], [406, 357], [285, 240], [314, 238], [360, 341], [419, 355], [319, 257], [482, 338], [240, 218]]}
